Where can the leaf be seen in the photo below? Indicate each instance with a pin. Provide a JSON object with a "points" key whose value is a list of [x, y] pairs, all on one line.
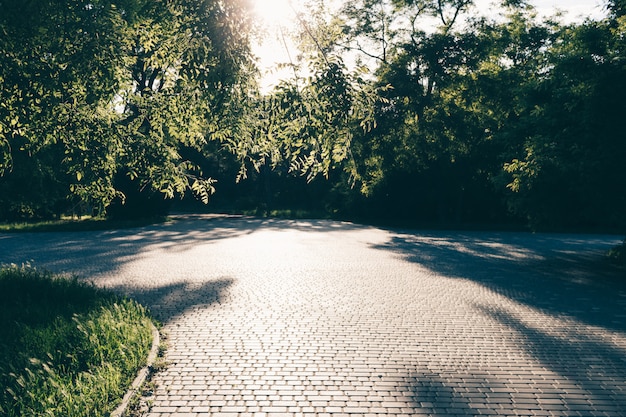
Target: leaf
{"points": [[200, 190]]}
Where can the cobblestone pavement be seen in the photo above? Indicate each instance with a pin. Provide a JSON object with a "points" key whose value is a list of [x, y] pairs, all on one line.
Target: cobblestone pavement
{"points": [[321, 318]]}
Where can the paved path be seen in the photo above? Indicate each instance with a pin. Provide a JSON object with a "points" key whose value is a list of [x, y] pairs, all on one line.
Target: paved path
{"points": [[281, 318]]}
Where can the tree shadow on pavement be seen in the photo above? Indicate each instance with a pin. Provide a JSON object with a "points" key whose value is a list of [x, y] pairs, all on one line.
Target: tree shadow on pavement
{"points": [[95, 253], [559, 274], [170, 301], [575, 330], [478, 393], [110, 258], [98, 253], [595, 367], [435, 394], [464, 394]]}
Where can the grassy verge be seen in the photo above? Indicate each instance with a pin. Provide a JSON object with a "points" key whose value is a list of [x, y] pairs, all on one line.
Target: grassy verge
{"points": [[75, 225], [68, 348]]}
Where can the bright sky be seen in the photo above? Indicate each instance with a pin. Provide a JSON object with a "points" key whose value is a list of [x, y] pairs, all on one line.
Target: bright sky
{"points": [[279, 15], [574, 8]]}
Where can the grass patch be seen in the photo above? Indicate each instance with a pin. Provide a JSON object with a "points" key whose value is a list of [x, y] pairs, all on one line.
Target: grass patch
{"points": [[68, 348], [77, 225]]}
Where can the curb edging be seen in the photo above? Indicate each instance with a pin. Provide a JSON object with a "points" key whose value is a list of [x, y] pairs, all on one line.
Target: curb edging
{"points": [[141, 375]]}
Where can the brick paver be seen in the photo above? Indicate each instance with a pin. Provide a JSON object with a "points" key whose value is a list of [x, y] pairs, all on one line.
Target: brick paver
{"points": [[318, 318]]}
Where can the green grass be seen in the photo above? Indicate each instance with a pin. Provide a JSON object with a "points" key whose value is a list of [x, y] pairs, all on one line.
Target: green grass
{"points": [[77, 225], [67, 348]]}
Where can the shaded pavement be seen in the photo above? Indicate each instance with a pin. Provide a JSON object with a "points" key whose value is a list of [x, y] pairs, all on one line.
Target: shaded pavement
{"points": [[279, 317]]}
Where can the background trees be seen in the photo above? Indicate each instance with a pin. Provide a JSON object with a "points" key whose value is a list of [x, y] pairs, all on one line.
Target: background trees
{"points": [[483, 119], [566, 170], [424, 111]]}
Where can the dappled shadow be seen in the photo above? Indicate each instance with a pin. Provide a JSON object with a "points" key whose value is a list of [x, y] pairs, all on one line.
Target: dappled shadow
{"points": [[592, 361], [462, 394], [98, 253], [437, 394], [491, 393], [239, 221], [567, 321], [121, 260], [169, 301], [569, 372], [560, 274], [94, 253]]}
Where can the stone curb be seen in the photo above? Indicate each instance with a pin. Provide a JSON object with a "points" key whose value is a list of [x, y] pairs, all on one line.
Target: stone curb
{"points": [[141, 375]]}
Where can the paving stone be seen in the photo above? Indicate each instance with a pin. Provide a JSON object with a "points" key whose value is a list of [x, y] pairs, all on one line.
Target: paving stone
{"points": [[275, 318]]}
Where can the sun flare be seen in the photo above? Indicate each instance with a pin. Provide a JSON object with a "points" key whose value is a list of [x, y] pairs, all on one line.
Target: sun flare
{"points": [[276, 13], [278, 20]]}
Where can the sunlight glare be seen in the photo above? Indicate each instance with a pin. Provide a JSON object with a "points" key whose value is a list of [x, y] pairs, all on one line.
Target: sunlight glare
{"points": [[278, 19], [279, 22], [276, 13]]}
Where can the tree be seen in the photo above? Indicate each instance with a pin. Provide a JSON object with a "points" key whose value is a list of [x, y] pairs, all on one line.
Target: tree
{"points": [[471, 113], [119, 87], [57, 76], [430, 155], [569, 172], [306, 124]]}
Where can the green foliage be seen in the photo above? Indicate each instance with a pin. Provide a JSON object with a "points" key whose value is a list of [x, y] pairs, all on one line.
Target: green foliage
{"points": [[430, 149], [69, 349], [307, 124], [567, 169], [57, 76], [519, 110], [425, 107], [316, 121], [94, 89]]}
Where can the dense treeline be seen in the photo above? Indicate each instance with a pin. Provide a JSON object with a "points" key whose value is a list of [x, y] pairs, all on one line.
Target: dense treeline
{"points": [[415, 111], [469, 119]]}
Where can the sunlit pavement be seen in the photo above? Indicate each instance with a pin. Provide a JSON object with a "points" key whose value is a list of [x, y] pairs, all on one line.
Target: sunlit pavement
{"points": [[282, 318]]}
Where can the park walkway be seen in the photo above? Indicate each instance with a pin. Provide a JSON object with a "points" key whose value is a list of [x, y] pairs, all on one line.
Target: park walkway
{"points": [[321, 318]]}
